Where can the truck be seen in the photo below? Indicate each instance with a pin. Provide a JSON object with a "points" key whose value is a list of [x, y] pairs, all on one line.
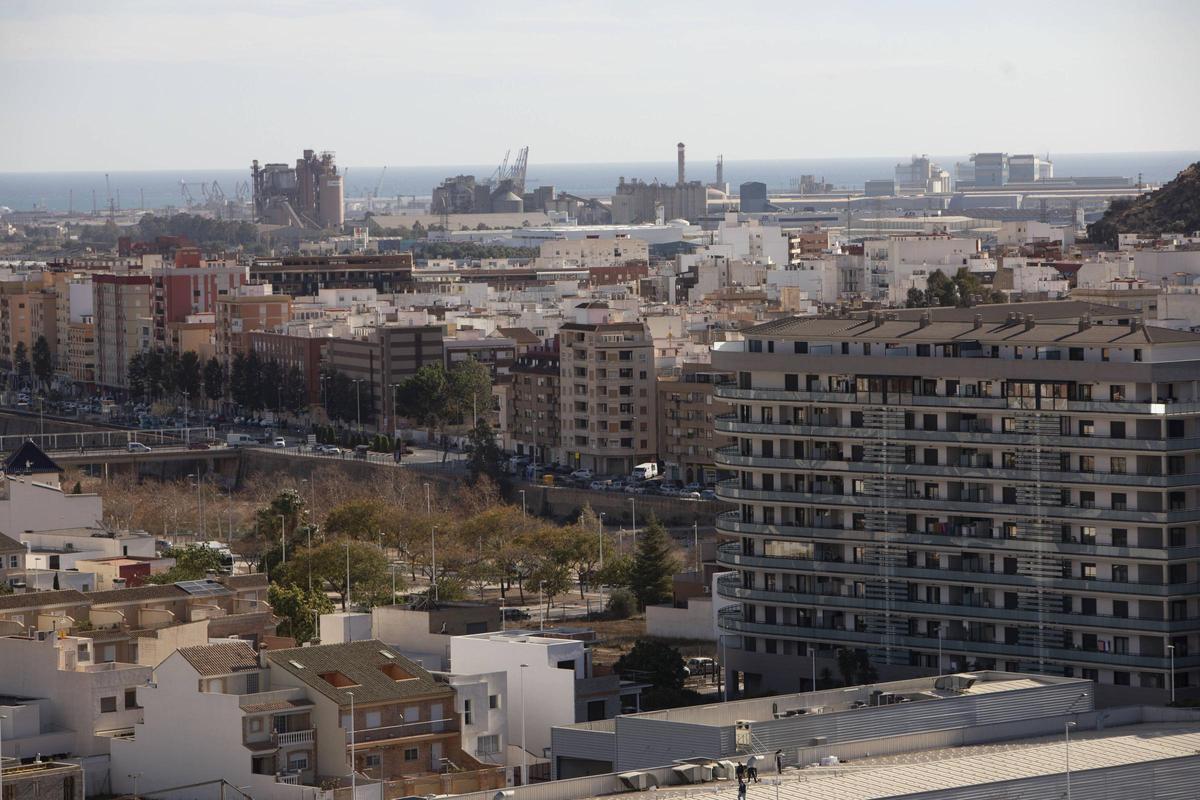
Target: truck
{"points": [[240, 440], [644, 472]]}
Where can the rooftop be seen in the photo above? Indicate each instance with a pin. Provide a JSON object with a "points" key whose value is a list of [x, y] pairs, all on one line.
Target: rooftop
{"points": [[370, 669], [223, 658]]}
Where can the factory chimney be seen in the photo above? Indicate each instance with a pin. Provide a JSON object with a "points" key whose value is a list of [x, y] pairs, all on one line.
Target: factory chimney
{"points": [[682, 174], [720, 170]]}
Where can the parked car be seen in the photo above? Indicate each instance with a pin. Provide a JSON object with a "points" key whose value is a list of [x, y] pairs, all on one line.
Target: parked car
{"points": [[137, 447], [689, 495], [583, 475], [701, 665], [633, 488], [361, 451], [329, 449], [515, 614], [197, 446], [708, 494], [279, 441], [598, 486]]}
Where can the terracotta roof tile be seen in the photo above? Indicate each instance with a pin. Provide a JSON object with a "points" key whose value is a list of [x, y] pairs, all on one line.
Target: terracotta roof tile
{"points": [[223, 658]]}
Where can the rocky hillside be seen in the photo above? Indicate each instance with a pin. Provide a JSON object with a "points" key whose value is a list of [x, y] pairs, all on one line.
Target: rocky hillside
{"points": [[1175, 208]]}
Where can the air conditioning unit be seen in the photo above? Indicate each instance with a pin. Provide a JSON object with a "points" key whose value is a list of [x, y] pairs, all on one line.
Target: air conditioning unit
{"points": [[687, 773], [638, 781]]}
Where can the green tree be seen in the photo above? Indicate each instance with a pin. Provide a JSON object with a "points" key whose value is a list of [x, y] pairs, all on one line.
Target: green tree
{"points": [[187, 375], [295, 390], [621, 604], [43, 361], [21, 360], [191, 564], [425, 397], [238, 382], [298, 608], [357, 519], [270, 386], [661, 666], [940, 290], [470, 388], [653, 566], [847, 664], [136, 376], [286, 509], [370, 578], [617, 570], [483, 454], [214, 380]]}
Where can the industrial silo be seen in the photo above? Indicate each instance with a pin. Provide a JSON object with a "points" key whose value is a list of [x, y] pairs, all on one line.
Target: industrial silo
{"points": [[332, 209]]}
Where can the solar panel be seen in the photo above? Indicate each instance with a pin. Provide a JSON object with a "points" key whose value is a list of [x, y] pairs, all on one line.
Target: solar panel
{"points": [[204, 588]]}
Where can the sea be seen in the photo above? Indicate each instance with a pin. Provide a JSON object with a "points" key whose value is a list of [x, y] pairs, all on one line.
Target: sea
{"points": [[76, 191]]}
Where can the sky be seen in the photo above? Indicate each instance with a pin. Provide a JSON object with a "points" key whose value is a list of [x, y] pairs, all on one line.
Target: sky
{"points": [[164, 84]]}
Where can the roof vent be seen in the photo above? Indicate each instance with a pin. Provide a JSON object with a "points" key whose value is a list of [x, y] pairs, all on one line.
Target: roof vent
{"points": [[1085, 322], [1029, 322], [1135, 325], [924, 323], [978, 321]]}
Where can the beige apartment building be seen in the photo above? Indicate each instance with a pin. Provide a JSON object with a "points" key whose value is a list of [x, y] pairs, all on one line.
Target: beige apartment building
{"points": [[687, 409], [611, 251], [81, 351], [123, 325], [608, 397], [237, 317]]}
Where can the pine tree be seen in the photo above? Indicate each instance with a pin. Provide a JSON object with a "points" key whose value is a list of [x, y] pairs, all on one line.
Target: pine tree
{"points": [[654, 566]]}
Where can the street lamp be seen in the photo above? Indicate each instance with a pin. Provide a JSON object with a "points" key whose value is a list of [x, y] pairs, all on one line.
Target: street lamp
{"points": [[600, 536], [283, 536], [358, 400], [633, 515], [353, 766], [524, 751], [542, 604], [812, 655], [941, 636], [1067, 751], [522, 504], [433, 560], [1171, 651], [2, 717], [346, 602], [393, 569]]}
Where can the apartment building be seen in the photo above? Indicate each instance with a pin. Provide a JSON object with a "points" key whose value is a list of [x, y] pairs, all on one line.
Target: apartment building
{"points": [[593, 251], [304, 352], [65, 699], [608, 397], [306, 275], [254, 309], [1015, 494], [387, 714], [80, 363], [123, 325], [532, 422], [238, 727], [189, 285], [687, 410], [385, 356]]}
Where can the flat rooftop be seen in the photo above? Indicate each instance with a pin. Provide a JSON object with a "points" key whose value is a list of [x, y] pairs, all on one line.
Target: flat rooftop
{"points": [[961, 767], [852, 698]]}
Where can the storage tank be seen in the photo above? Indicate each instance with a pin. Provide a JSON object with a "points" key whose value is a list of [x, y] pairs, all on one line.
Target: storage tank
{"points": [[332, 210], [508, 203]]}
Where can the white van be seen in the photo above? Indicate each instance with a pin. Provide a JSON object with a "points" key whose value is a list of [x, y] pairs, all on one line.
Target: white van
{"points": [[644, 472], [240, 439]]}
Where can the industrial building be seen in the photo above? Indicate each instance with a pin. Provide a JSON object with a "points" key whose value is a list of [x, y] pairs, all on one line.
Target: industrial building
{"points": [[309, 195], [846, 722], [957, 491]]}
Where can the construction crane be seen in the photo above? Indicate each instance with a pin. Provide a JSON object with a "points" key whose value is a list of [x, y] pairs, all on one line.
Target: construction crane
{"points": [[514, 172], [371, 198]]}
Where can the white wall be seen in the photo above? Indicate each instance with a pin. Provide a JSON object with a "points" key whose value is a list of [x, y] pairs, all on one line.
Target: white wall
{"points": [[551, 699], [35, 506], [693, 622]]}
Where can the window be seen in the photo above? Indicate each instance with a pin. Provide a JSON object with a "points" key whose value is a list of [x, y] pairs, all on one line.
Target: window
{"points": [[468, 717], [493, 701], [487, 745], [1087, 535], [375, 760], [410, 754], [131, 698], [756, 346], [1119, 501], [299, 761], [1087, 427], [1087, 572], [1087, 463], [108, 704], [1121, 609], [1120, 537], [1116, 430], [254, 724], [1116, 465], [1075, 354]]}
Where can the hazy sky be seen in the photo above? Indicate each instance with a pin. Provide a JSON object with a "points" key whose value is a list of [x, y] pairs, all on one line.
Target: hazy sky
{"points": [[157, 84]]}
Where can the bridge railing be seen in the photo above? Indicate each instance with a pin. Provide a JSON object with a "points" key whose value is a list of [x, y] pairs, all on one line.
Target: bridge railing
{"points": [[91, 441]]}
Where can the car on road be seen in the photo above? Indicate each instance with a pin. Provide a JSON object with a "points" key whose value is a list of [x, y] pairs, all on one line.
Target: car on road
{"points": [[197, 445], [361, 452], [137, 447], [701, 665], [279, 441], [708, 494], [515, 614], [329, 449], [598, 486], [633, 488], [689, 495], [583, 475]]}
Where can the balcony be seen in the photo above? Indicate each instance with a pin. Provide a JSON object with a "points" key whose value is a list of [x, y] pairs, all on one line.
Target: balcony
{"points": [[729, 424], [387, 733], [972, 537], [729, 491], [731, 620], [293, 737], [966, 577]]}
